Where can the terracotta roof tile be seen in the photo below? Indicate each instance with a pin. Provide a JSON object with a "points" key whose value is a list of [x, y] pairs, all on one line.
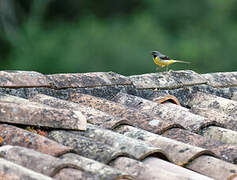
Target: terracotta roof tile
{"points": [[147, 170], [131, 115], [135, 124], [221, 134], [221, 79], [16, 79], [94, 79], [213, 167], [70, 173], [12, 171], [101, 170], [55, 167], [168, 112], [167, 80], [11, 135], [24, 112], [215, 108], [92, 115], [222, 150], [160, 164], [178, 152], [110, 143]]}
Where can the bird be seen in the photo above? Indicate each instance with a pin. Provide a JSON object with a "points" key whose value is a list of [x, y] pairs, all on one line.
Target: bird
{"points": [[162, 60]]}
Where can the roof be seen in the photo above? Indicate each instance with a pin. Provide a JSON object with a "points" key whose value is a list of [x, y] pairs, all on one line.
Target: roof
{"points": [[103, 125]]}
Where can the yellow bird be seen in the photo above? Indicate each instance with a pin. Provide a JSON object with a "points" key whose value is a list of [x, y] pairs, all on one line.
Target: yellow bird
{"points": [[162, 60]]}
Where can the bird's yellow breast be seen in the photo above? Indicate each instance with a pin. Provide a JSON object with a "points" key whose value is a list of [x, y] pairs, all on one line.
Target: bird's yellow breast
{"points": [[160, 62]]}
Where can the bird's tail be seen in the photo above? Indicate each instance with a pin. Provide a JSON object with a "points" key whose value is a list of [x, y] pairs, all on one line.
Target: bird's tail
{"points": [[179, 61]]}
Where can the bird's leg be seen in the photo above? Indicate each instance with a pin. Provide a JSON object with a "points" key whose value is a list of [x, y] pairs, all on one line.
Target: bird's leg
{"points": [[159, 67], [167, 68]]}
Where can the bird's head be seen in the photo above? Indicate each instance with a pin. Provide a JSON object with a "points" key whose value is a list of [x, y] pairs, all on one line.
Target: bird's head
{"points": [[155, 53]]}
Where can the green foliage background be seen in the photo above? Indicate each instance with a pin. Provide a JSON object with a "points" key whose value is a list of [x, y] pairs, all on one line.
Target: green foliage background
{"points": [[84, 36]]}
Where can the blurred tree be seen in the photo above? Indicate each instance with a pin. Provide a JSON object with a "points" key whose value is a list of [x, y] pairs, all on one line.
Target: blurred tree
{"points": [[80, 36]]}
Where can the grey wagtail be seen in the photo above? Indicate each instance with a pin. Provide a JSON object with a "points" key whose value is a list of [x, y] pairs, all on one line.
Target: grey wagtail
{"points": [[162, 60]]}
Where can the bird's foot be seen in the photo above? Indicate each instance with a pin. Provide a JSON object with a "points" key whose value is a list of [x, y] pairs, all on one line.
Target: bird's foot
{"points": [[158, 68]]}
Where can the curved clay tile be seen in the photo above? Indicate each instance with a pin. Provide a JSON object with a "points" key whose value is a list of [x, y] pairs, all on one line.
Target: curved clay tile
{"points": [[167, 80], [168, 112], [178, 152], [143, 170], [226, 152], [83, 80], [19, 79], [28, 113], [168, 98], [105, 145], [58, 167], [92, 115], [12, 171], [101, 170], [131, 115], [221, 110], [213, 167], [221, 79], [12, 135]]}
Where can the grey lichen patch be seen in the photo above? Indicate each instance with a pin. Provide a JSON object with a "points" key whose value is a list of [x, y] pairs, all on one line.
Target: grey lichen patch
{"points": [[227, 152], [83, 80], [104, 145], [221, 134], [127, 114], [9, 170], [218, 109], [12, 135], [17, 79], [174, 149], [168, 112], [103, 171], [92, 115], [212, 167], [221, 79], [167, 80], [27, 113]]}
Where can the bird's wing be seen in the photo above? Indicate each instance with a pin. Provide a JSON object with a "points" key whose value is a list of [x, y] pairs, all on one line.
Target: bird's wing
{"points": [[164, 57]]}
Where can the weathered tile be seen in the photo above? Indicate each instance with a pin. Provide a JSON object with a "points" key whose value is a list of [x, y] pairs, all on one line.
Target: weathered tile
{"points": [[167, 98], [48, 165], [221, 110], [51, 166], [11, 171], [30, 159], [234, 94], [167, 80], [96, 139], [31, 114], [74, 174], [92, 115], [84, 146], [178, 152], [12, 135], [16, 79], [226, 152], [133, 116], [168, 112], [186, 173], [213, 167], [104, 172], [154, 80], [144, 171], [221, 134], [221, 79], [83, 80]]}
